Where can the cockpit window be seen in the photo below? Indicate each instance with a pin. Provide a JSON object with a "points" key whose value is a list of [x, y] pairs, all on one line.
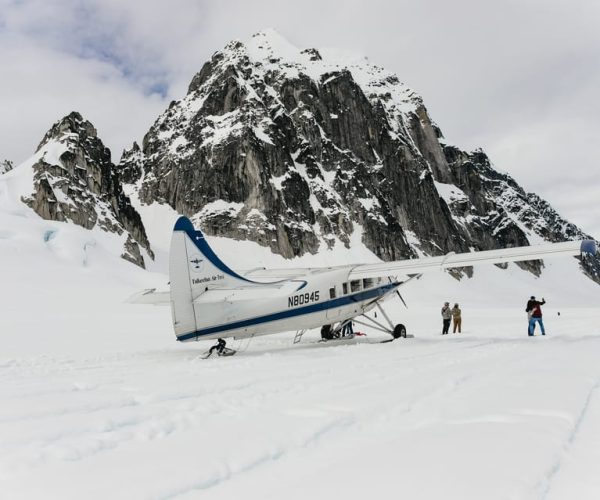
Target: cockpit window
{"points": [[368, 282], [355, 286]]}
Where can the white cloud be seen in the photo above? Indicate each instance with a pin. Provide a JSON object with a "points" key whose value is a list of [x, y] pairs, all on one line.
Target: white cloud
{"points": [[518, 78], [42, 86]]}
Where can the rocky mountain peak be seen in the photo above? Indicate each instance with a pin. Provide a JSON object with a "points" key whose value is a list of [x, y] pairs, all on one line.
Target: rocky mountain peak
{"points": [[74, 180], [275, 124], [73, 127], [130, 165], [299, 150]]}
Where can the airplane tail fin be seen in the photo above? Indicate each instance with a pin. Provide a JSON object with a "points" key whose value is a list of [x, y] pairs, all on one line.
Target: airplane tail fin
{"points": [[193, 269]]}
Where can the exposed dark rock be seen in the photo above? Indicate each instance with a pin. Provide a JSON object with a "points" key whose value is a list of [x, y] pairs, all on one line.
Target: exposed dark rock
{"points": [[304, 159], [6, 166], [500, 211], [132, 252], [75, 181], [313, 54], [130, 165]]}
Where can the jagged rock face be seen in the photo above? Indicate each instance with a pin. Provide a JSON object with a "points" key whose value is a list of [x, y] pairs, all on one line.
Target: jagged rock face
{"points": [[130, 165], [75, 180], [6, 166], [294, 154], [499, 210], [296, 150]]}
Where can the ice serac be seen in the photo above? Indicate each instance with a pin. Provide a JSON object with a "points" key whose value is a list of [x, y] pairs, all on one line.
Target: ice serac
{"points": [[75, 181], [297, 149]]}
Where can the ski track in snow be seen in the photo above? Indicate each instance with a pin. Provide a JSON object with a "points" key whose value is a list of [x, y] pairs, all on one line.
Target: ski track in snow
{"points": [[116, 401], [546, 483]]}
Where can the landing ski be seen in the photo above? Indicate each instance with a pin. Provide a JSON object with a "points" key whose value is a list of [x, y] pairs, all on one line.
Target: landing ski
{"points": [[225, 352]]}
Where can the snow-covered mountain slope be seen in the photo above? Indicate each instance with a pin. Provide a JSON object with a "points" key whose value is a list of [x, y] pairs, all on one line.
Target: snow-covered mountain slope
{"points": [[298, 149], [98, 400], [71, 178]]}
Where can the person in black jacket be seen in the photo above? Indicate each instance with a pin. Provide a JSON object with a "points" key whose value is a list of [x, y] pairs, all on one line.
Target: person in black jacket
{"points": [[529, 308], [534, 311]]}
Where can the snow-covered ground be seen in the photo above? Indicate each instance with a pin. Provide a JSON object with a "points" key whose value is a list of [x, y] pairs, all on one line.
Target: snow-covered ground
{"points": [[98, 400]]}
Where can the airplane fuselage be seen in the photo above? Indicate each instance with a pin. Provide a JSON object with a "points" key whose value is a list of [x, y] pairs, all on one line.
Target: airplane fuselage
{"points": [[319, 298], [210, 300]]}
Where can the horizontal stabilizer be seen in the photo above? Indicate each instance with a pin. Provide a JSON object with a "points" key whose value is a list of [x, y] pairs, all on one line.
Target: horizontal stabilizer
{"points": [[150, 296]]}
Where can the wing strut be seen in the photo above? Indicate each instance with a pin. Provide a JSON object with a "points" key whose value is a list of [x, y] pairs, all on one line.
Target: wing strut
{"points": [[385, 315], [401, 298]]}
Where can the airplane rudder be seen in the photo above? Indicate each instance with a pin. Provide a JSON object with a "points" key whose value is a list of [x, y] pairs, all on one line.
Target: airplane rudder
{"points": [[182, 307]]}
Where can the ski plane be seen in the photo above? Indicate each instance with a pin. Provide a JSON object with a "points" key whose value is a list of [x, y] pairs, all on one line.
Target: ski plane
{"points": [[211, 301]]}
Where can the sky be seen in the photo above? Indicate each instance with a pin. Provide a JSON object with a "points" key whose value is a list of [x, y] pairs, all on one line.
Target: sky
{"points": [[518, 78]]}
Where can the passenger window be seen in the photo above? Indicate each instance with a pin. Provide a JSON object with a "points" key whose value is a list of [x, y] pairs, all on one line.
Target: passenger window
{"points": [[332, 293], [368, 283], [345, 288], [355, 286]]}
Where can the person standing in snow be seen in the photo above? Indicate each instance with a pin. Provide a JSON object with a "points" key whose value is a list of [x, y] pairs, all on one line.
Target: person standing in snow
{"points": [[347, 329], [456, 319], [529, 308], [446, 316], [536, 315]]}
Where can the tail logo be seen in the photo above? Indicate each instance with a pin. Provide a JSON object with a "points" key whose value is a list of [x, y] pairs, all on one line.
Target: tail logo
{"points": [[197, 263]]}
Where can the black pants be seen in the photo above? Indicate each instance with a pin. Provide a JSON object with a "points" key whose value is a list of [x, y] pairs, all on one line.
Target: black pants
{"points": [[347, 329], [446, 326]]}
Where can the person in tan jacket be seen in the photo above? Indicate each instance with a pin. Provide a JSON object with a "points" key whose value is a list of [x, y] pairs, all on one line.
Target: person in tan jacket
{"points": [[456, 318]]}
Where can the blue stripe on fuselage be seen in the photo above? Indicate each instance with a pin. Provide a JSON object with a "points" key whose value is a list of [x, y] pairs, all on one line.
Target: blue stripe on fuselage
{"points": [[312, 308]]}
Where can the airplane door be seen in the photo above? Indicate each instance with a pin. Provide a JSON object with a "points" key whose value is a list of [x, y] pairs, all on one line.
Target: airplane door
{"points": [[334, 312]]}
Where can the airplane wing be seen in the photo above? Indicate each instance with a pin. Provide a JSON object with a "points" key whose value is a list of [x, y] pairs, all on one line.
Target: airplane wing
{"points": [[452, 260], [283, 273], [405, 267], [271, 274], [150, 296]]}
